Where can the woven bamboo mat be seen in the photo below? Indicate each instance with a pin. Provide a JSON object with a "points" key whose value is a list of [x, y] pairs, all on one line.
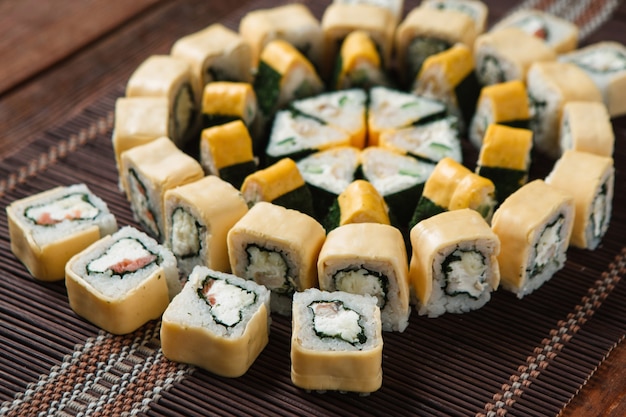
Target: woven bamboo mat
{"points": [[515, 357]]}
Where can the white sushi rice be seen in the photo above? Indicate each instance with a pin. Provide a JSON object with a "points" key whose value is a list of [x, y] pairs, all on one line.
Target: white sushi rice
{"points": [[332, 170]]}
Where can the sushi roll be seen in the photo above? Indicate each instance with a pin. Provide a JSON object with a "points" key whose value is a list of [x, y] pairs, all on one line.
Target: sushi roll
{"points": [[336, 342], [219, 322], [148, 172], [328, 173], [592, 189], [358, 64], [198, 216], [369, 259], [550, 85], [226, 101], [394, 6], [215, 53], [122, 281], [398, 178], [360, 202], [454, 263], [605, 63], [393, 109], [284, 75], [586, 126], [430, 142], [344, 109], [169, 77], [278, 248], [426, 31], [293, 23], [48, 228], [226, 151], [504, 158], [503, 103], [449, 77], [534, 226], [475, 9], [506, 54]]}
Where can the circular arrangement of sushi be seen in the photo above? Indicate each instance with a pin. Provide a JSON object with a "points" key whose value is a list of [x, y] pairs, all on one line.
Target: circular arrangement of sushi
{"points": [[314, 169]]}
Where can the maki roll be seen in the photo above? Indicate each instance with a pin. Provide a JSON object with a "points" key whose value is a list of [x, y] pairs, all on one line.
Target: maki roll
{"points": [[454, 263], [48, 228], [227, 101], [592, 189], [586, 126], [281, 183], [393, 109], [605, 63], [198, 217], [219, 322], [430, 142], [506, 54], [148, 172], [369, 259], [360, 202], [503, 103], [394, 6], [122, 281], [226, 151], [358, 64], [278, 248], [504, 158], [169, 77], [550, 85], [336, 342], [534, 226], [475, 9]]}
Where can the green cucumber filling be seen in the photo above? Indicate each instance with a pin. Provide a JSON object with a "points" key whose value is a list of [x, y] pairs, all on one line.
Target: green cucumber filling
{"points": [[599, 214], [267, 87], [421, 48], [184, 111], [360, 280], [141, 203], [332, 319], [490, 70], [70, 207], [602, 61], [548, 246], [125, 256], [186, 232], [270, 268], [226, 301], [465, 272]]}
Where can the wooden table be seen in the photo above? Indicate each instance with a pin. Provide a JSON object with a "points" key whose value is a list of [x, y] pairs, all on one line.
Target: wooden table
{"points": [[60, 57]]}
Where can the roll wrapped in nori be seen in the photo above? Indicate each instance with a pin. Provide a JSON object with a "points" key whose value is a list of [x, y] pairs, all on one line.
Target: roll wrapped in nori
{"points": [[358, 64], [360, 202]]}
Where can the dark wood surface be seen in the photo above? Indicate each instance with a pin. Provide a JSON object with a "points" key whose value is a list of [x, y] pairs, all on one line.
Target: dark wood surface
{"points": [[58, 57]]}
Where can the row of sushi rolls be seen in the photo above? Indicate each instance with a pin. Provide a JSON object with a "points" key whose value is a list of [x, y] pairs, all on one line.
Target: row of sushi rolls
{"points": [[325, 181]]}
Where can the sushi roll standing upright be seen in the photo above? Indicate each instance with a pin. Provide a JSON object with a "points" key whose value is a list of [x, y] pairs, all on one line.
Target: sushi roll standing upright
{"points": [[586, 126]]}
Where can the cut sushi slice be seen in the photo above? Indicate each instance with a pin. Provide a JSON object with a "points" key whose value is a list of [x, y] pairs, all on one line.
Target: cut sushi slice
{"points": [[278, 248], [358, 64], [198, 217], [281, 183], [148, 172], [454, 264], [475, 9], [227, 101], [122, 281], [504, 158], [48, 228], [503, 103], [226, 151], [398, 178], [586, 126], [360, 202], [394, 109], [534, 226], [394, 6], [592, 189], [336, 342], [219, 322], [430, 142], [369, 259]]}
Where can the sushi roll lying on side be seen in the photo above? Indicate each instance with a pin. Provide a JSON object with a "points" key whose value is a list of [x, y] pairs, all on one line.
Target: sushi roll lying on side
{"points": [[454, 264], [226, 151], [198, 217], [605, 63], [550, 85], [227, 101], [358, 64], [475, 9], [592, 189], [586, 126], [534, 226], [336, 342], [122, 281], [503, 103], [148, 172], [48, 228], [278, 248], [369, 259], [219, 322], [360, 202]]}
